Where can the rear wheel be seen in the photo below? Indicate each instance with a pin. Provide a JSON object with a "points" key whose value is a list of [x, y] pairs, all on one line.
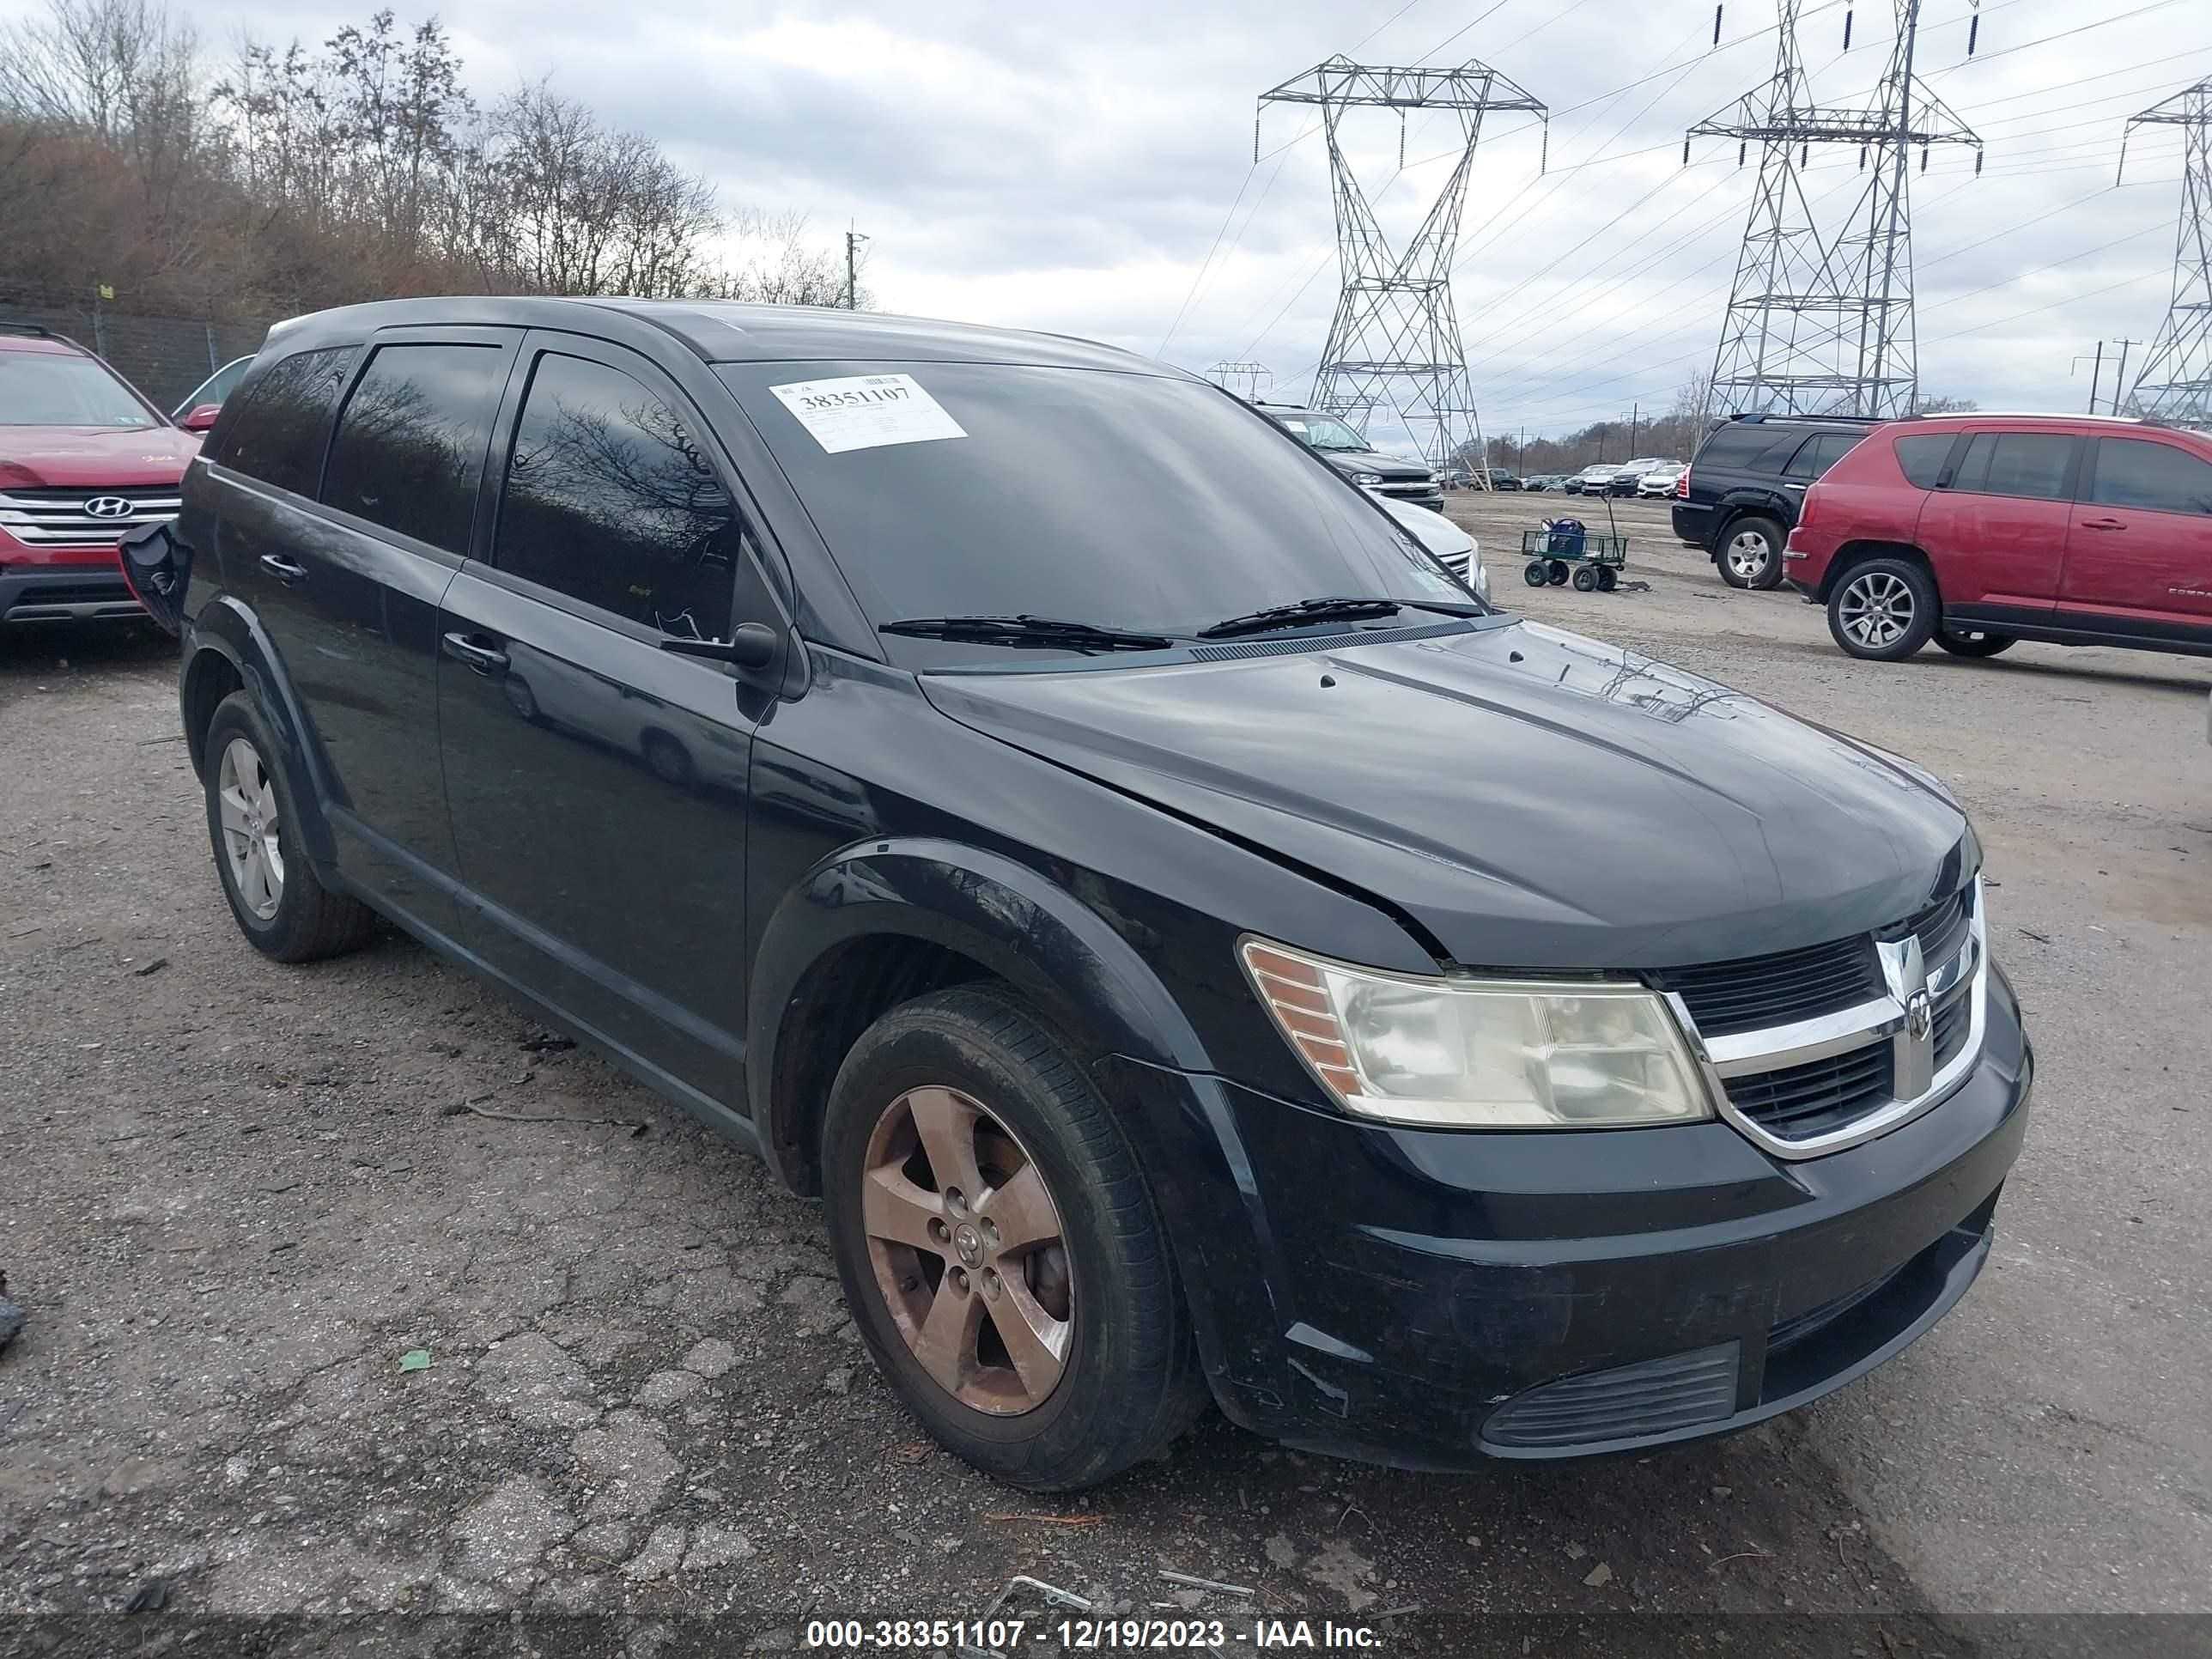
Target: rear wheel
{"points": [[1967, 643], [1607, 578], [1585, 578], [1883, 610], [1536, 572], [282, 909], [1751, 553], [999, 1247], [1556, 572]]}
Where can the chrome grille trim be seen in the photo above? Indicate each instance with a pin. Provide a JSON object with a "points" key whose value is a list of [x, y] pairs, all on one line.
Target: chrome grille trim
{"points": [[56, 517], [1881, 1019]]}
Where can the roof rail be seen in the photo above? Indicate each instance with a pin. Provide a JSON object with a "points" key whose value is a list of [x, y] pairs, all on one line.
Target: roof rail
{"points": [[1755, 418], [28, 328]]}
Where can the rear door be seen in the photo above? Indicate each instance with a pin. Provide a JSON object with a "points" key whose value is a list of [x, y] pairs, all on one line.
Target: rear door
{"points": [[599, 783], [347, 593], [2139, 553], [1997, 533]]}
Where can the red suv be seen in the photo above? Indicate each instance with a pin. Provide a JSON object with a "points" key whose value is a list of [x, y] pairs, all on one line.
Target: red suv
{"points": [[1978, 529], [83, 458]]}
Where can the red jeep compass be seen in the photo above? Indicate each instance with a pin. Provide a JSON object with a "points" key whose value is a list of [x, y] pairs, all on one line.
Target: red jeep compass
{"points": [[1978, 529], [83, 458]]}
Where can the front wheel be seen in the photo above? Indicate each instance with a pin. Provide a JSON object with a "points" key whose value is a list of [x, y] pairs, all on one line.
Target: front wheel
{"points": [[1536, 572], [1585, 578], [1751, 553], [1883, 610], [999, 1247], [1970, 644]]}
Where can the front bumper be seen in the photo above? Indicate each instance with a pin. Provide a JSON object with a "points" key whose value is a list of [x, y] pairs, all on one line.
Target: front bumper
{"points": [[1431, 1299], [55, 592]]}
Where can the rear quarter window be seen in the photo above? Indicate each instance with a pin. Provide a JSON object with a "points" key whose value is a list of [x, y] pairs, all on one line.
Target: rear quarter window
{"points": [[1750, 448], [1921, 458], [276, 430]]}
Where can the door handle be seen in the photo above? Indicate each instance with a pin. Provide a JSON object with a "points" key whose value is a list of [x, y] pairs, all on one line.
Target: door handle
{"points": [[485, 658], [2104, 524], [1797, 487], [283, 570]]}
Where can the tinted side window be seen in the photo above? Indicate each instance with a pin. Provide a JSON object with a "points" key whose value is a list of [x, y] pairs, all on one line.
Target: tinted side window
{"points": [[410, 443], [1748, 448], [2132, 472], [278, 428], [610, 500], [1830, 447], [2029, 463], [1921, 458]]}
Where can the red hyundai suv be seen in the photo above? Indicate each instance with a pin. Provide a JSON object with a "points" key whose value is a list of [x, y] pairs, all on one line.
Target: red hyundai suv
{"points": [[1979, 530], [83, 458]]}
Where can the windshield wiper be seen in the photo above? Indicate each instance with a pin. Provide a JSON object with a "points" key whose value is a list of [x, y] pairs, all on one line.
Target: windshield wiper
{"points": [[1330, 609], [1025, 631]]}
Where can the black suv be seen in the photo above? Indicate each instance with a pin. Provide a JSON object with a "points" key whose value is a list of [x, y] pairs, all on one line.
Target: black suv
{"points": [[1740, 499], [1414, 483], [995, 777]]}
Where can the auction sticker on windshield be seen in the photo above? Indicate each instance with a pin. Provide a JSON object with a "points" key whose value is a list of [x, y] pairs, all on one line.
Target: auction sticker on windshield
{"points": [[866, 411]]}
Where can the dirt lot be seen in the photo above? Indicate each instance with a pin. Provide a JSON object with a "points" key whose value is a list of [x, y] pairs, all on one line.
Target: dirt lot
{"points": [[233, 1195]]}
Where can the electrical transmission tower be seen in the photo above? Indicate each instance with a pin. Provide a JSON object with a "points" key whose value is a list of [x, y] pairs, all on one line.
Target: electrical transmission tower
{"points": [[1251, 375], [2176, 381], [1395, 342], [1822, 324]]}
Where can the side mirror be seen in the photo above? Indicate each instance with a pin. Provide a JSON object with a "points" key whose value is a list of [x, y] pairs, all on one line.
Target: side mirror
{"points": [[200, 417], [753, 646]]}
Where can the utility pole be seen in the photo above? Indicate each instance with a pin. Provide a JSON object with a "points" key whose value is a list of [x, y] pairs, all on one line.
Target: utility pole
{"points": [[1396, 336], [853, 241], [2121, 378], [1635, 420], [2176, 381], [2096, 375], [1814, 324]]}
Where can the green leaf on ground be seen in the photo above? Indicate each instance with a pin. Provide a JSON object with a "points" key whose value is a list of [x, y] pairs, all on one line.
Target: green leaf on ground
{"points": [[414, 1360]]}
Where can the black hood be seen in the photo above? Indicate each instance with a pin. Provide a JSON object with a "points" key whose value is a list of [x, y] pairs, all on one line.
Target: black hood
{"points": [[1527, 797], [1386, 466]]}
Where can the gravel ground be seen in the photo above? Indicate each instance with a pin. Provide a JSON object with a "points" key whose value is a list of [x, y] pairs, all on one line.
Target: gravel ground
{"points": [[234, 1198]]}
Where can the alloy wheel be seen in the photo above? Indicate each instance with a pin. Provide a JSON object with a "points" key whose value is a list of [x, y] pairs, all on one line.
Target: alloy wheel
{"points": [[1747, 555], [248, 801], [969, 1251], [1876, 610]]}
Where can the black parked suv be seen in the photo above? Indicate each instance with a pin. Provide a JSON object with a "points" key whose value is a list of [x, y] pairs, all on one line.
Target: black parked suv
{"points": [[1740, 499], [995, 777], [1414, 482]]}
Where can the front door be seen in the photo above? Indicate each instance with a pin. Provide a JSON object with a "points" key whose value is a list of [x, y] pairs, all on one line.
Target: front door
{"points": [[2139, 555], [597, 782], [1997, 531]]}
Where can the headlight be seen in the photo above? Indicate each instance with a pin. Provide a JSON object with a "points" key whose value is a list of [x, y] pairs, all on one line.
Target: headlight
{"points": [[1367, 478], [1436, 478], [1481, 1054]]}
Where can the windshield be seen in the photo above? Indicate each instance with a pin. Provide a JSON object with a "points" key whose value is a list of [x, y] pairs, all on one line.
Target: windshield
{"points": [[1126, 500], [44, 388], [1324, 432]]}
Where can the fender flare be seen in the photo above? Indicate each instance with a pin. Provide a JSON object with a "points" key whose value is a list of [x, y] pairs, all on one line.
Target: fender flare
{"points": [[1040, 938], [230, 630], [1734, 505]]}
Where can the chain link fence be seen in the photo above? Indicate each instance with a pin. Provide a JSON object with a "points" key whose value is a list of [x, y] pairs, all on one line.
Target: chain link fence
{"points": [[165, 357]]}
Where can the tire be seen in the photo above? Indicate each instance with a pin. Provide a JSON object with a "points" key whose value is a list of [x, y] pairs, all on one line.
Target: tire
{"points": [[1585, 580], [1536, 572], [1883, 610], [282, 909], [1750, 552], [1968, 643], [1556, 572], [1607, 578], [1000, 1096]]}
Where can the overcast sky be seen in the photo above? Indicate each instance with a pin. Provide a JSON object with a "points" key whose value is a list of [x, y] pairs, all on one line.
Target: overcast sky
{"points": [[1071, 166]]}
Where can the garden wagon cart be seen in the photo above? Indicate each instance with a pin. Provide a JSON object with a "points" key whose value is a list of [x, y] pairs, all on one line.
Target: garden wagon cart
{"points": [[1563, 551]]}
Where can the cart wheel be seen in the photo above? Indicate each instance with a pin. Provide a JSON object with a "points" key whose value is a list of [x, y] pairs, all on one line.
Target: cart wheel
{"points": [[1556, 572], [1607, 578], [1537, 574], [1585, 578]]}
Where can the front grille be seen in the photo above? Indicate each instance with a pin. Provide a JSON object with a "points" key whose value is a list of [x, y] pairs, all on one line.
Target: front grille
{"points": [[56, 517], [1458, 563], [1753, 993], [1954, 1025], [1800, 1103], [1942, 928]]}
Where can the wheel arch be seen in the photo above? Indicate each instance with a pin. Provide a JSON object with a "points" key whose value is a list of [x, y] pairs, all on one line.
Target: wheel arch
{"points": [[227, 650], [1742, 504], [876, 925], [1852, 554]]}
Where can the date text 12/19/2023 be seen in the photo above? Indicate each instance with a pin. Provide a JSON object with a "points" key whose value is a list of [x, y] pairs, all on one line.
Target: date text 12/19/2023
{"points": [[1011, 1636]]}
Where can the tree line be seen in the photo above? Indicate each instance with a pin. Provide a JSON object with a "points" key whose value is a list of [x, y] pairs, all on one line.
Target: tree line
{"points": [[289, 177]]}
